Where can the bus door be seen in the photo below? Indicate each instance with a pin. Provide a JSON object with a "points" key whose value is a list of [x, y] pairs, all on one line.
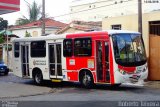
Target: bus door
{"points": [[55, 61], [102, 59], [25, 60]]}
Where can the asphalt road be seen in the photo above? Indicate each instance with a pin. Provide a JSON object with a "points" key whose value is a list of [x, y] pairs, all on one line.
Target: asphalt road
{"points": [[72, 94]]}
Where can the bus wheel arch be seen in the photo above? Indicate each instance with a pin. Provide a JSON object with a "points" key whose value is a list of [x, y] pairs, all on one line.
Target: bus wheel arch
{"points": [[37, 76], [86, 78]]}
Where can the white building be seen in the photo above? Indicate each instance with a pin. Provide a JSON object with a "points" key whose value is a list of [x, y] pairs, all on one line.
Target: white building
{"points": [[96, 10], [35, 28]]}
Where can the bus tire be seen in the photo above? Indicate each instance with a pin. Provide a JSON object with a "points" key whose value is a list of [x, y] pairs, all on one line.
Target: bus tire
{"points": [[38, 78], [6, 73], [86, 80], [115, 85]]}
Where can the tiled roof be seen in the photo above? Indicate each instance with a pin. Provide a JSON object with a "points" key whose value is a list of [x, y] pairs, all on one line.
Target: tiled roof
{"points": [[48, 23], [82, 25]]}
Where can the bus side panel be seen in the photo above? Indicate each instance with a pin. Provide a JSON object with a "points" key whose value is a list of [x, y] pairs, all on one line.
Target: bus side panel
{"points": [[72, 76], [40, 63], [80, 62]]}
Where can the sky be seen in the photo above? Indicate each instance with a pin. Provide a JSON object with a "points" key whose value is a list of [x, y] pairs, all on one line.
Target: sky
{"points": [[53, 8]]}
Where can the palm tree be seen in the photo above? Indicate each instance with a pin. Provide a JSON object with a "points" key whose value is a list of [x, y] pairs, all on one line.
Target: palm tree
{"points": [[34, 14]]}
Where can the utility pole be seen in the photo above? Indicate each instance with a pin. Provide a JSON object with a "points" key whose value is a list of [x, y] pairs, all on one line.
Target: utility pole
{"points": [[7, 47], [43, 17], [140, 16]]}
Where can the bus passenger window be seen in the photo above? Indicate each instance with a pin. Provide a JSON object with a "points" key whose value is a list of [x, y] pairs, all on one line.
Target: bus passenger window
{"points": [[16, 50], [67, 48], [83, 47], [38, 49]]}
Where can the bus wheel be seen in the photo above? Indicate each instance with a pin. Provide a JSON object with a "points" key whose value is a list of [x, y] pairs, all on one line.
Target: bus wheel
{"points": [[38, 78], [87, 80], [115, 85]]}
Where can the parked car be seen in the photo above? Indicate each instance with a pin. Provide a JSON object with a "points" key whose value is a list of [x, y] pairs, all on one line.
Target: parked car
{"points": [[3, 68]]}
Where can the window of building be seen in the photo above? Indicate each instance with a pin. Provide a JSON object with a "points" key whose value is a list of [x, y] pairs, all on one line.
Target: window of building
{"points": [[16, 49], [35, 33], [116, 27], [38, 49], [154, 27], [67, 48], [83, 47]]}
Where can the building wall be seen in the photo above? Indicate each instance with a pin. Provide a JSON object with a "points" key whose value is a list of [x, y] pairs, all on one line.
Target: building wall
{"points": [[35, 32], [130, 22], [22, 32], [99, 9]]}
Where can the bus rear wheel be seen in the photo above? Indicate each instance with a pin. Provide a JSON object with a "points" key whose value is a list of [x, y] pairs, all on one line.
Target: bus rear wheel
{"points": [[87, 80], [38, 78]]}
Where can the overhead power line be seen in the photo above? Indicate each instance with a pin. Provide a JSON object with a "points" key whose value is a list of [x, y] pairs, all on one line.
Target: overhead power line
{"points": [[91, 9]]}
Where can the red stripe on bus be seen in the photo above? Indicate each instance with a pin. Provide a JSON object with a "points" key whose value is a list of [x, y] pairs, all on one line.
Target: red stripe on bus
{"points": [[127, 69], [111, 65]]}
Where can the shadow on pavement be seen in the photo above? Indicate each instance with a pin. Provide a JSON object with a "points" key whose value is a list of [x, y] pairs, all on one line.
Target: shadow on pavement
{"points": [[76, 85]]}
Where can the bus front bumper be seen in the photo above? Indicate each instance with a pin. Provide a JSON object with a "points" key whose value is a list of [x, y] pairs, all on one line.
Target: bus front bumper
{"points": [[137, 79]]}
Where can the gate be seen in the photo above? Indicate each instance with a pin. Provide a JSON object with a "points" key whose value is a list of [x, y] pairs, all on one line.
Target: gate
{"points": [[154, 50]]}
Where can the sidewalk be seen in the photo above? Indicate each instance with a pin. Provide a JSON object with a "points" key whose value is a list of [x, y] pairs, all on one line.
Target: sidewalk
{"points": [[152, 84], [9, 90]]}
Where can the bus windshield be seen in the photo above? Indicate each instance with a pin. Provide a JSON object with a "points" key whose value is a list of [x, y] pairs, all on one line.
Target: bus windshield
{"points": [[129, 49]]}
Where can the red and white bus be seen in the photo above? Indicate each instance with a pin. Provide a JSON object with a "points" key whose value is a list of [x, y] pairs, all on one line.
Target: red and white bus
{"points": [[104, 57]]}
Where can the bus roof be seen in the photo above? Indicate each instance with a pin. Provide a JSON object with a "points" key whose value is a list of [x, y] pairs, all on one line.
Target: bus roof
{"points": [[121, 31], [53, 36], [48, 37]]}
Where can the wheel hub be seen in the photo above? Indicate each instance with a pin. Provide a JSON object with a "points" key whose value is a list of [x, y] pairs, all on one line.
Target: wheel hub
{"points": [[86, 80], [38, 78]]}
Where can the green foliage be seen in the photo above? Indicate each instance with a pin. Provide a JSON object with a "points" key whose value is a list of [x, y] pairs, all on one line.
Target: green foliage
{"points": [[3, 24], [22, 21], [34, 14], [27, 34], [1, 39]]}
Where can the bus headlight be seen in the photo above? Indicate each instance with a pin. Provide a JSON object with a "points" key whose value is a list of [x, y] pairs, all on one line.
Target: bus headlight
{"points": [[122, 71], [138, 71], [144, 69]]}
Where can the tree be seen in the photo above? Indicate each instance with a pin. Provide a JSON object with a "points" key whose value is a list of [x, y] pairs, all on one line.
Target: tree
{"points": [[34, 14], [1, 39], [3, 24], [27, 34]]}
